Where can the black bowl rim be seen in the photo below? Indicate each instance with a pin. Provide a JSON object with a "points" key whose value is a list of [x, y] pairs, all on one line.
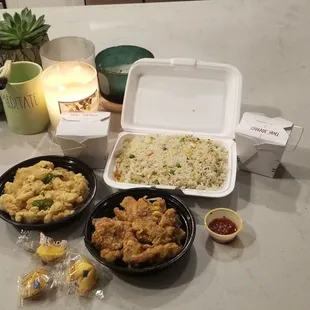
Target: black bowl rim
{"points": [[148, 269], [37, 226]]}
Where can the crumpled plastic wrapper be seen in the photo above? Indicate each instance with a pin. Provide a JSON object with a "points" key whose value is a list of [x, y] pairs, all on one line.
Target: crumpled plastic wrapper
{"points": [[45, 248], [83, 277], [35, 284]]}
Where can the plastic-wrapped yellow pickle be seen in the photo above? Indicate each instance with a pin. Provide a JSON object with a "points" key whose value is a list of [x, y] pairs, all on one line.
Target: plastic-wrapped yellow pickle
{"points": [[50, 252], [33, 283], [84, 273]]}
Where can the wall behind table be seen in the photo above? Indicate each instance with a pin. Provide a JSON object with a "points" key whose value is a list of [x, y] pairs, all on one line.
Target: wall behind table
{"points": [[90, 2], [95, 2], [11, 4], [41, 3]]}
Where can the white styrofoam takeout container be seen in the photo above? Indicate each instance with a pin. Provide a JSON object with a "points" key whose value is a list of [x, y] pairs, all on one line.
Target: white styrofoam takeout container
{"points": [[181, 97]]}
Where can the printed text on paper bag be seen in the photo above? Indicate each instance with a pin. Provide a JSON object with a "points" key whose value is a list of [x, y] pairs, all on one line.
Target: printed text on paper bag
{"points": [[265, 131]]}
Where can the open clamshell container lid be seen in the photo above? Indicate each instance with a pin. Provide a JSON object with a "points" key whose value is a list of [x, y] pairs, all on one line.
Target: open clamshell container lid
{"points": [[182, 96]]}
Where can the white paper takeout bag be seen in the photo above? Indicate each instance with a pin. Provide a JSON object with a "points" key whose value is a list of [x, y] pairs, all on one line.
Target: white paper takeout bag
{"points": [[261, 142], [85, 136]]}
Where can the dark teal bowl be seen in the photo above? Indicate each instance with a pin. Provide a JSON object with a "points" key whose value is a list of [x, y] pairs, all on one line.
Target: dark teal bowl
{"points": [[113, 65]]}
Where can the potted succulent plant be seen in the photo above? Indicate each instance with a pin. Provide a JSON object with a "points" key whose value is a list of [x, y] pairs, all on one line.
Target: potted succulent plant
{"points": [[21, 36]]}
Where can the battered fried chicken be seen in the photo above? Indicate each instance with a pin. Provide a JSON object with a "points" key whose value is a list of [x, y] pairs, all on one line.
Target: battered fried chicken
{"points": [[111, 255], [159, 253], [141, 209], [171, 222], [120, 214], [132, 248], [169, 218], [143, 232], [147, 231], [160, 205], [109, 233], [155, 254]]}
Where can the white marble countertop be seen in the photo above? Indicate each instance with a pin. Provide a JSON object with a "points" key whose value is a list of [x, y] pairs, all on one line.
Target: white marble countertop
{"points": [[268, 266]]}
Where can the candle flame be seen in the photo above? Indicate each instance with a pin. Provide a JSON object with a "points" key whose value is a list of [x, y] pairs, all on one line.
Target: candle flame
{"points": [[77, 69]]}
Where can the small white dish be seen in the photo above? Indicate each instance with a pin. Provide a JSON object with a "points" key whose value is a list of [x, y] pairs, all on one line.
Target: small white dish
{"points": [[218, 214]]}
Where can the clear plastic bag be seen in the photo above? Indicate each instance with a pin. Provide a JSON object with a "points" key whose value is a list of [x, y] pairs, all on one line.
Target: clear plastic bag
{"points": [[45, 248], [34, 284], [28, 241], [84, 277]]}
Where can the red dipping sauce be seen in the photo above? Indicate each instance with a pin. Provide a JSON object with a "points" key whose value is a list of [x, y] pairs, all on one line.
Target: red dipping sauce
{"points": [[223, 226]]}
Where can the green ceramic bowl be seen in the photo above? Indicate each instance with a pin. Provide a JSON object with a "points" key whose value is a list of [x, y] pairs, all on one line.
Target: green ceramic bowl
{"points": [[113, 65]]}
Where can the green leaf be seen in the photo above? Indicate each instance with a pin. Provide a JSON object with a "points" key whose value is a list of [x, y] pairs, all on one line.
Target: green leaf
{"points": [[4, 25], [4, 32], [24, 26], [31, 22], [29, 16], [19, 31], [37, 40], [10, 40], [14, 32], [10, 43], [43, 204], [25, 44], [24, 12], [7, 17], [12, 24], [40, 21], [5, 35], [38, 32], [48, 178], [17, 19]]}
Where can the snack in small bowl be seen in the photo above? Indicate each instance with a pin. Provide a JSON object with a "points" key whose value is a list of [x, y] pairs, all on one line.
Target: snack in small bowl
{"points": [[139, 231], [223, 224], [144, 231], [42, 191]]}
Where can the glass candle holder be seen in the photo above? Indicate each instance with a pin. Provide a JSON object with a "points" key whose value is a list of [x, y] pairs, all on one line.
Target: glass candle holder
{"points": [[67, 49], [113, 65], [70, 86]]}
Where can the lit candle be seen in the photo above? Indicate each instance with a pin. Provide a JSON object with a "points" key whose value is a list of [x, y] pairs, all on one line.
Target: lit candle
{"points": [[70, 87]]}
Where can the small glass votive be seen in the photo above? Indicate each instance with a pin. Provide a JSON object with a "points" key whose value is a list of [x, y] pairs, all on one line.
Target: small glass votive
{"points": [[67, 49], [70, 86], [113, 66]]}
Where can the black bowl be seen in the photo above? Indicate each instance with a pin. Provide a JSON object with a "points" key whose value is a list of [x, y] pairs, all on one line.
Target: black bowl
{"points": [[68, 163], [105, 209]]}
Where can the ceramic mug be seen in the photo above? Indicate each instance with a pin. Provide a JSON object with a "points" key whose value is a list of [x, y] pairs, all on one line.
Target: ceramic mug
{"points": [[23, 99]]}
